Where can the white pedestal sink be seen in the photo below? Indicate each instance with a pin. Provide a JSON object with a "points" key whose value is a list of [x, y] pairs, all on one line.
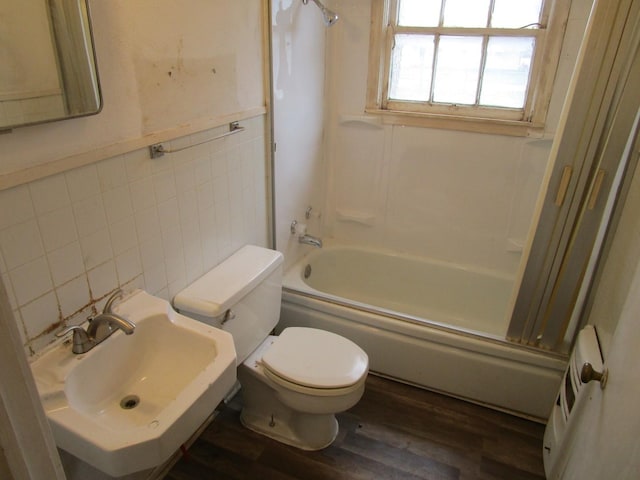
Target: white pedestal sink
{"points": [[129, 403]]}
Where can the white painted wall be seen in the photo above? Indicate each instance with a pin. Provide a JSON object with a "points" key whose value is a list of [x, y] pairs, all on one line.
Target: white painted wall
{"points": [[70, 238], [605, 442], [602, 441], [156, 60], [299, 102], [461, 197], [614, 283]]}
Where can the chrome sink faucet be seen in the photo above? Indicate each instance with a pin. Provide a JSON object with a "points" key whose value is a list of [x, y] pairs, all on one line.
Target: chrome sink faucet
{"points": [[101, 327]]}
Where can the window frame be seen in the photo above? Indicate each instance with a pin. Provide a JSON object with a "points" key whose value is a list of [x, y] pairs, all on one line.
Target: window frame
{"points": [[529, 121]]}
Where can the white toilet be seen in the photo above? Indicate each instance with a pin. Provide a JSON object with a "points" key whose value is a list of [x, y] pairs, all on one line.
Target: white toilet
{"points": [[293, 384]]}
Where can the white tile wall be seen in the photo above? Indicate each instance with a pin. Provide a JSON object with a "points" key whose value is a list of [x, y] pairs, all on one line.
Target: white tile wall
{"points": [[69, 240]]}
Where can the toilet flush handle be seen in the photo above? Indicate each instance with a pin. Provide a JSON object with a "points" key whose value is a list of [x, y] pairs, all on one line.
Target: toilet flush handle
{"points": [[228, 315]]}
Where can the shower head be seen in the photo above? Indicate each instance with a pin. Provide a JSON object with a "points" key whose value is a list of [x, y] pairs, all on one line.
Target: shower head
{"points": [[329, 16]]}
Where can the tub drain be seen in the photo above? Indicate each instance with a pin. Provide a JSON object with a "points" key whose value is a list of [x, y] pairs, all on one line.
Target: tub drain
{"points": [[129, 402], [307, 271]]}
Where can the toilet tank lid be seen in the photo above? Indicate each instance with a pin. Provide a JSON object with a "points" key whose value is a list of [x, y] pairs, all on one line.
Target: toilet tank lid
{"points": [[224, 285]]}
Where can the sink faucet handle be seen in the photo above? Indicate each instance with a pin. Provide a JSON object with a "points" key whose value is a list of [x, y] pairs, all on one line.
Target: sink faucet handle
{"points": [[108, 306], [81, 340], [68, 330]]}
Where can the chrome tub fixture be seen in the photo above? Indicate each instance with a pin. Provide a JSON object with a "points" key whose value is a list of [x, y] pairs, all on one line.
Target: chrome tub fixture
{"points": [[328, 16], [300, 229]]}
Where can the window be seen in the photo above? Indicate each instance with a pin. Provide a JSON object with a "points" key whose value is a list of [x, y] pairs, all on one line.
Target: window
{"points": [[473, 62]]}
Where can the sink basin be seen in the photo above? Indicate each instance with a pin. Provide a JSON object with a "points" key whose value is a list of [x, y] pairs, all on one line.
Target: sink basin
{"points": [[129, 403]]}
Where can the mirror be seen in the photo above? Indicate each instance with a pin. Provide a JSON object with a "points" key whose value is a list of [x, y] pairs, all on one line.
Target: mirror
{"points": [[47, 62]]}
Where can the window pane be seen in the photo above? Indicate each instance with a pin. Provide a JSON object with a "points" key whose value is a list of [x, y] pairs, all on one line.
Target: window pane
{"points": [[510, 14], [411, 67], [457, 70], [466, 13], [506, 74], [419, 13]]}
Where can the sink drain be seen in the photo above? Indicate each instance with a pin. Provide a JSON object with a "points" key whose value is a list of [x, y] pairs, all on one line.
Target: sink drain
{"points": [[129, 402]]}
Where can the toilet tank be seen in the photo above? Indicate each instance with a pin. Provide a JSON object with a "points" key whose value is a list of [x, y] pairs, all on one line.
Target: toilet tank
{"points": [[241, 296]]}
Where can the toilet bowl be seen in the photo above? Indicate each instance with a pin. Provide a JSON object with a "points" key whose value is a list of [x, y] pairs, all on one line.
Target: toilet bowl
{"points": [[292, 384]]}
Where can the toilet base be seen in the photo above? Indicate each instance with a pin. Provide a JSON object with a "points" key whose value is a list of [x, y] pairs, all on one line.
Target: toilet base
{"points": [[265, 413], [303, 431]]}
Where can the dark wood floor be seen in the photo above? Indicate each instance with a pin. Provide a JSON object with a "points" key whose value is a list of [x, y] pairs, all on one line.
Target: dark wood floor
{"points": [[395, 432]]}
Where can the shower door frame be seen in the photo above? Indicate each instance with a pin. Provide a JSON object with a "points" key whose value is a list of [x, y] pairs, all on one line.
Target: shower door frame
{"points": [[585, 156]]}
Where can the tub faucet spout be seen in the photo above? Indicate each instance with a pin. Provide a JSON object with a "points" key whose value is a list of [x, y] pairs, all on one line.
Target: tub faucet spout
{"points": [[310, 240]]}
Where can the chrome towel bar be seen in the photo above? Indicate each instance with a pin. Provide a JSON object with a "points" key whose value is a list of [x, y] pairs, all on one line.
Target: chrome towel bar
{"points": [[158, 149]]}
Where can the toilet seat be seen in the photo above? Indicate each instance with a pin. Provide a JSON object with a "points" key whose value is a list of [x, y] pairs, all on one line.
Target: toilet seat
{"points": [[315, 362]]}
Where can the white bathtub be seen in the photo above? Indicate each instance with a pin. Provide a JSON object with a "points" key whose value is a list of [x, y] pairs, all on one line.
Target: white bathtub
{"points": [[422, 290], [429, 324]]}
